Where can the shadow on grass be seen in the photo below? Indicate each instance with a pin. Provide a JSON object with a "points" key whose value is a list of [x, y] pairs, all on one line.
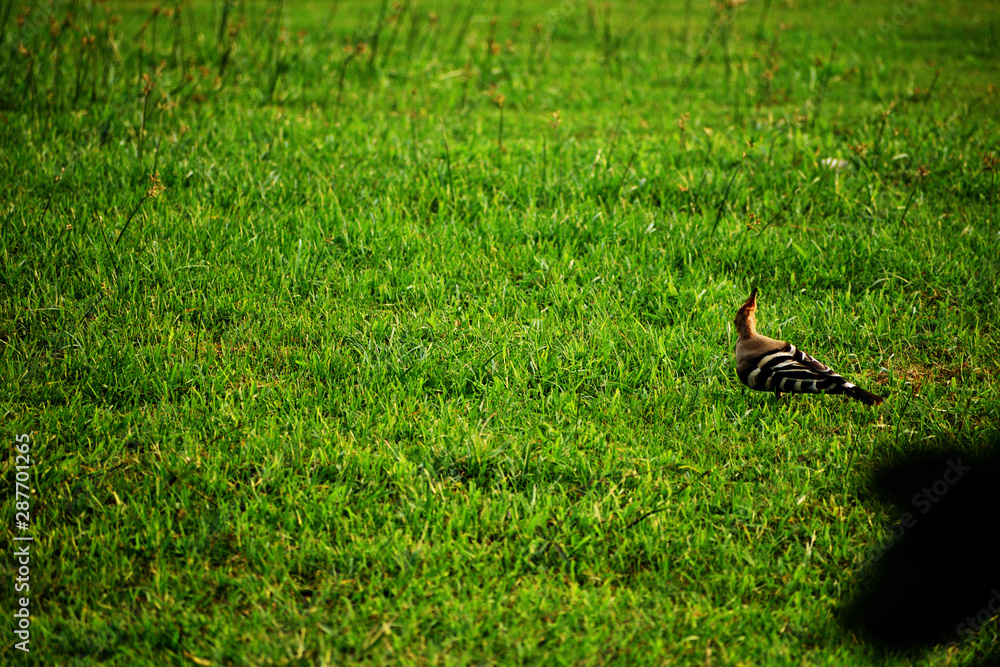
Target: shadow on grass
{"points": [[937, 580]]}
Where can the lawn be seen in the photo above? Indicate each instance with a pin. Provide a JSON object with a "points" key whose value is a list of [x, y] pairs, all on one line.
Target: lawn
{"points": [[401, 333]]}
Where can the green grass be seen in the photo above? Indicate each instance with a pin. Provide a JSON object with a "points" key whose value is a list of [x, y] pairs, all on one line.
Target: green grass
{"points": [[403, 368]]}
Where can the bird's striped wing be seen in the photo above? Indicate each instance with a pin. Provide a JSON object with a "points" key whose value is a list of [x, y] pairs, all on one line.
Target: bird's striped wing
{"points": [[792, 370]]}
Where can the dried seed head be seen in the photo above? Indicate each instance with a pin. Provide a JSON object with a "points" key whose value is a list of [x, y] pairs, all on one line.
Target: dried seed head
{"points": [[155, 187], [990, 162]]}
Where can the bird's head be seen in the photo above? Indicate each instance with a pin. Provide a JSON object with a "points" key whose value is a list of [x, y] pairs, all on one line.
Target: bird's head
{"points": [[746, 321]]}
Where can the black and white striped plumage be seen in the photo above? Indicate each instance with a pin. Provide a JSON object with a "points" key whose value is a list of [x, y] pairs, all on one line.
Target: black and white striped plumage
{"points": [[767, 364]]}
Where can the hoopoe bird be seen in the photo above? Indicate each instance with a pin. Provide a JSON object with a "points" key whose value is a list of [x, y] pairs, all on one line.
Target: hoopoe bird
{"points": [[766, 364]]}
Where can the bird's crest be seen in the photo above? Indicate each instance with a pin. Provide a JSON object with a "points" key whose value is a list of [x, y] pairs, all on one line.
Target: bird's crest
{"points": [[746, 321]]}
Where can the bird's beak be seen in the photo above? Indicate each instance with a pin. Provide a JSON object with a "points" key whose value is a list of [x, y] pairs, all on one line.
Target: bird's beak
{"points": [[751, 301]]}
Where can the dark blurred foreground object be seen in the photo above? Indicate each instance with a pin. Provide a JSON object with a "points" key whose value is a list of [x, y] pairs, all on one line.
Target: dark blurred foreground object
{"points": [[938, 579]]}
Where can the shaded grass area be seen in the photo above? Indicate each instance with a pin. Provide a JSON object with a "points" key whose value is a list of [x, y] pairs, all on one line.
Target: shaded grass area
{"points": [[402, 333]]}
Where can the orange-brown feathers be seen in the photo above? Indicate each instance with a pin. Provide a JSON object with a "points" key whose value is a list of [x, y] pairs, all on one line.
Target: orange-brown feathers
{"points": [[746, 320]]}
